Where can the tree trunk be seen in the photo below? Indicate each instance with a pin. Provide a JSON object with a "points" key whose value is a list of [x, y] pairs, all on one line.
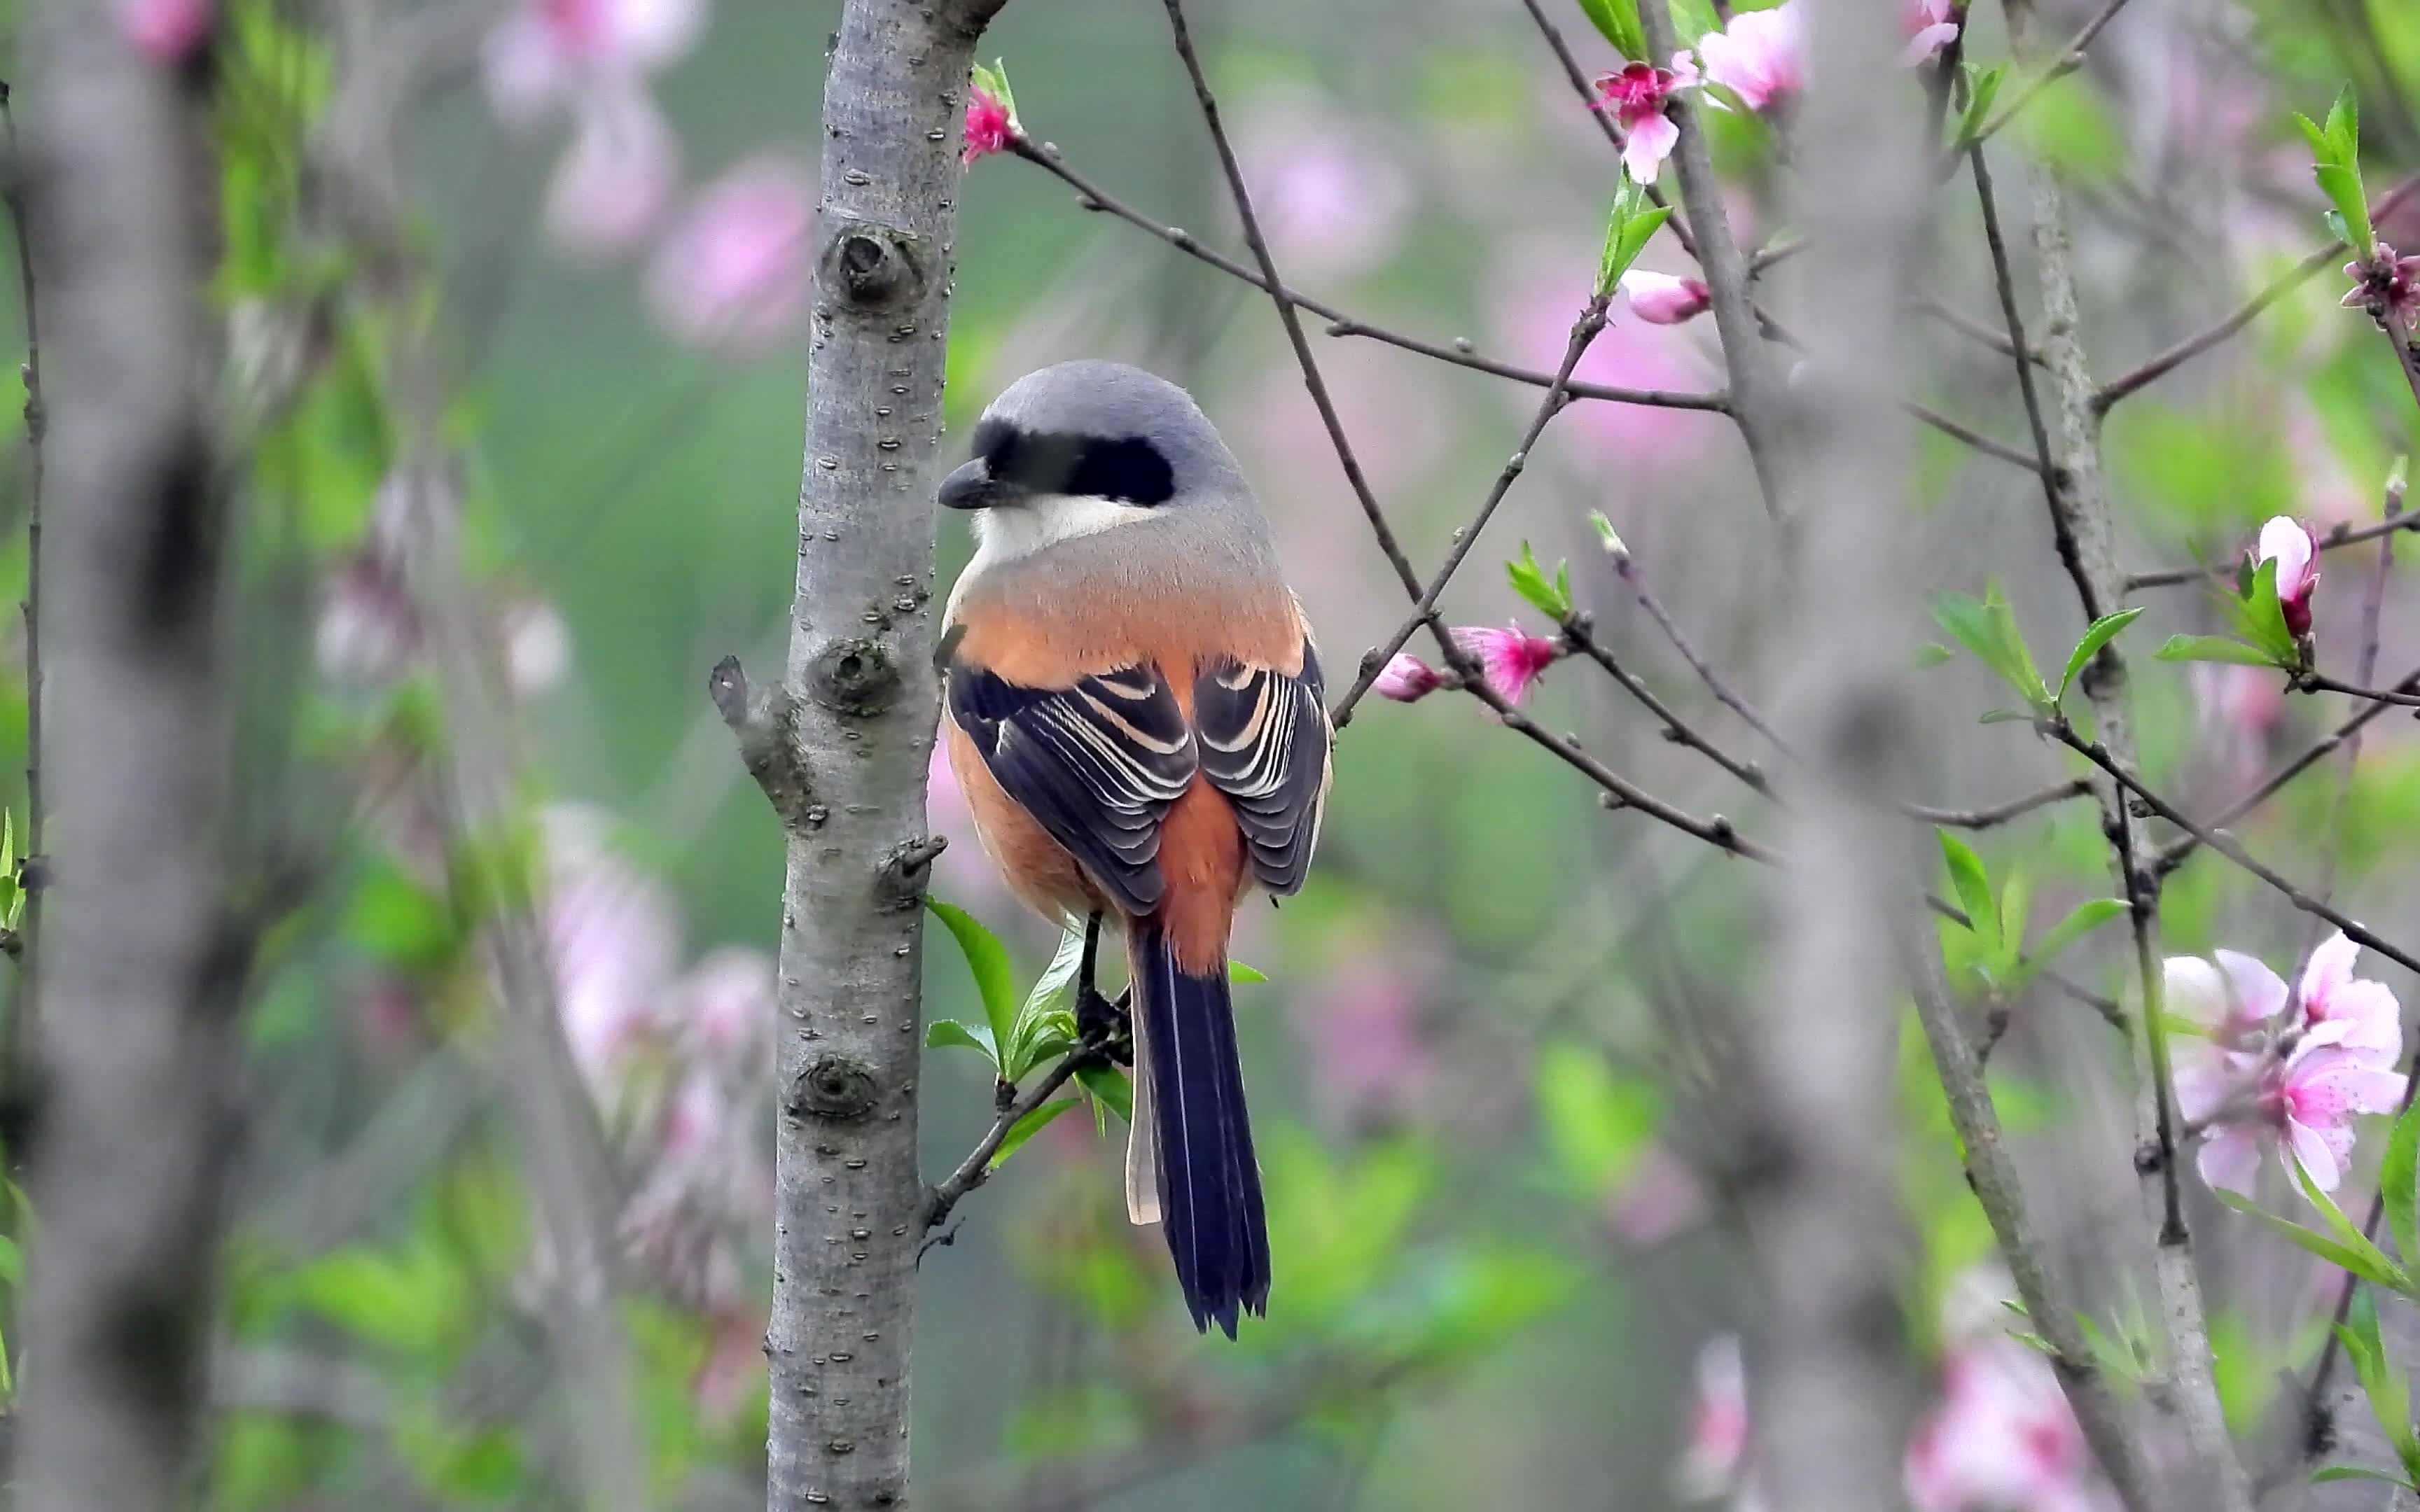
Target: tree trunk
{"points": [[139, 965], [842, 749]]}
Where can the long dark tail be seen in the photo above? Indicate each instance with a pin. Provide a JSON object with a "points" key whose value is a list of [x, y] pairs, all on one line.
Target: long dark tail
{"points": [[1209, 1182]]}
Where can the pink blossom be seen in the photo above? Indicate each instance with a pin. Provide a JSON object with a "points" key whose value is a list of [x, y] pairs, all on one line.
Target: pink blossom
{"points": [[724, 1006], [1509, 659], [612, 938], [2264, 1071], [2390, 283], [2002, 1438], [1332, 190], [1714, 1463], [988, 125], [2238, 710], [1760, 56], [548, 53], [2290, 543], [733, 273], [1370, 1058], [1637, 96], [1663, 299], [1406, 679], [1931, 25], [616, 177], [1658, 1198], [165, 31]]}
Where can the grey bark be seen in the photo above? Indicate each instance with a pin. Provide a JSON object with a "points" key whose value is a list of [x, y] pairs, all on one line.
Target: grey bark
{"points": [[2080, 504], [841, 747], [1829, 1376], [140, 966]]}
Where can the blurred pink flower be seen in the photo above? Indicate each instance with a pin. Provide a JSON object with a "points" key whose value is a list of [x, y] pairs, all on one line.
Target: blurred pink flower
{"points": [[616, 176], [2290, 543], [2393, 282], [1760, 56], [1332, 190], [2238, 710], [1406, 679], [733, 273], [1638, 96], [724, 1006], [165, 31], [368, 630], [1714, 1462], [537, 645], [2261, 1072], [548, 53], [1369, 1058], [1661, 299], [1660, 1198], [1931, 24], [2001, 1439], [1531, 303], [613, 940], [987, 124], [1510, 658]]}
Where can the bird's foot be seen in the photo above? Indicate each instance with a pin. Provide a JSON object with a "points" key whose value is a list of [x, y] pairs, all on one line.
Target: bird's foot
{"points": [[1105, 1025]]}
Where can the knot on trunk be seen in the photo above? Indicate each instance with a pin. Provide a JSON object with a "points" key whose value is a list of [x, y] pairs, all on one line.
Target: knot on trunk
{"points": [[854, 677], [870, 266], [836, 1088]]}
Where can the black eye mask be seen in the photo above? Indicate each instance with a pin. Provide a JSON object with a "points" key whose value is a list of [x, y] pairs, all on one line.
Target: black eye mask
{"points": [[1126, 468]]}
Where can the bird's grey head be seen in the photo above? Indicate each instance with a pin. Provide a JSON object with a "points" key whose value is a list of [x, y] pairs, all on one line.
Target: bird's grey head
{"points": [[1082, 445]]}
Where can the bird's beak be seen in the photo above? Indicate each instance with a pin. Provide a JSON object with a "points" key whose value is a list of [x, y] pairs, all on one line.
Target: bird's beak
{"points": [[971, 487]]}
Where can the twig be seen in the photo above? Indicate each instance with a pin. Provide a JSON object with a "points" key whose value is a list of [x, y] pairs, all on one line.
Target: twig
{"points": [[1584, 331], [2176, 852], [2225, 844], [1976, 330], [2317, 682], [1626, 566], [2372, 607], [976, 1168], [1756, 386], [2004, 281], [1581, 636], [1284, 301], [2342, 535], [2001, 813], [1093, 197], [2001, 1194], [2069, 61], [2193, 346]]}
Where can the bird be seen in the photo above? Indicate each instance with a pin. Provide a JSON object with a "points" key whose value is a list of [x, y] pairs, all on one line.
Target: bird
{"points": [[1133, 708]]}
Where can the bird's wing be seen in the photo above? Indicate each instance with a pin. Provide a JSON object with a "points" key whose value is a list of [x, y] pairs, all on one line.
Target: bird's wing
{"points": [[1096, 765], [1264, 738]]}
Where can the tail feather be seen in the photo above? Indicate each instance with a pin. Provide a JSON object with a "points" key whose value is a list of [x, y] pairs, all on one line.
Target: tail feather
{"points": [[1209, 1182]]}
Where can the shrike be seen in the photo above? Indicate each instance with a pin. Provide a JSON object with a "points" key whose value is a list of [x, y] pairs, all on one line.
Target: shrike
{"points": [[1135, 716]]}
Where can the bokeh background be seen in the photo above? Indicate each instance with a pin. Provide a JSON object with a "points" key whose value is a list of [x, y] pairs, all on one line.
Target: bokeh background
{"points": [[1488, 1068]]}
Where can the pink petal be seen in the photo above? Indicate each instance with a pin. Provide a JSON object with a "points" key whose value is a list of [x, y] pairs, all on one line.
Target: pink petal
{"points": [[1651, 142], [1922, 47], [733, 274], [2230, 1158], [524, 72], [165, 31], [2194, 989], [2259, 994], [2316, 1149], [2329, 970], [1661, 299], [1405, 679], [616, 177], [2288, 542]]}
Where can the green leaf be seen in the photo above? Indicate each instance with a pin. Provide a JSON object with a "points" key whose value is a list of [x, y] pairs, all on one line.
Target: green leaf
{"points": [[1110, 1087], [2389, 1393], [1616, 22], [1973, 886], [1982, 87], [1027, 1126], [1595, 1122], [2259, 618], [2320, 1477], [1987, 628], [1932, 654], [2345, 1233], [12, 1262], [2104, 630], [945, 1034], [1244, 976], [2081, 920], [2371, 1267], [1032, 1039], [1627, 225], [2399, 1176], [400, 923], [2007, 717], [993, 81], [988, 960], [1552, 599], [2213, 648]]}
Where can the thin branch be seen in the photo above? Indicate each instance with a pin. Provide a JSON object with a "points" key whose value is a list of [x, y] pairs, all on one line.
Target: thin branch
{"points": [[2176, 852], [2000, 1192], [2077, 787], [1581, 636], [2317, 682], [2373, 606], [2225, 845], [1584, 331], [2342, 535], [1093, 197], [1756, 386], [2193, 346], [976, 1168], [1967, 326], [1626, 566], [2069, 61], [2004, 281], [1285, 301]]}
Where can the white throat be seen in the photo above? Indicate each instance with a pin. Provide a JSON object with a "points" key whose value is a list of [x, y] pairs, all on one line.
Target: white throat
{"points": [[1043, 521]]}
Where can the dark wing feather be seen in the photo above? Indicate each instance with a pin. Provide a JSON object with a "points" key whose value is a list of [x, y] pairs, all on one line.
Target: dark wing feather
{"points": [[1096, 765], [1263, 738]]}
